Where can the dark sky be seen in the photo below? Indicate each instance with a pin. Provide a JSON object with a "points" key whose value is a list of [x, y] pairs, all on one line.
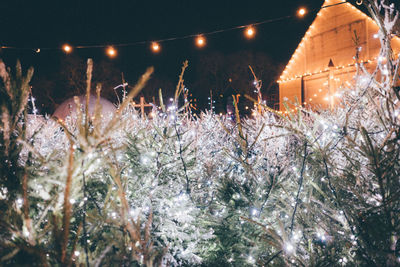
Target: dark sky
{"points": [[49, 24]]}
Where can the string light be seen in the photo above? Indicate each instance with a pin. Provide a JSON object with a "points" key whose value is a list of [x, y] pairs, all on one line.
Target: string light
{"points": [[250, 32], [288, 247], [302, 11], [301, 46], [111, 52], [67, 48], [155, 47], [298, 76], [200, 41]]}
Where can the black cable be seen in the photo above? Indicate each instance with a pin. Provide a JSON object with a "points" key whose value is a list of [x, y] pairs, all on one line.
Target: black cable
{"points": [[267, 21]]}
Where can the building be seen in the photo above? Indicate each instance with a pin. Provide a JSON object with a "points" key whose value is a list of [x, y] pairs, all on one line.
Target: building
{"points": [[68, 107], [324, 61]]}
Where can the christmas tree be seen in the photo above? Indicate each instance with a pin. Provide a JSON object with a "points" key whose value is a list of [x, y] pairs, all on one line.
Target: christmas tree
{"points": [[311, 188]]}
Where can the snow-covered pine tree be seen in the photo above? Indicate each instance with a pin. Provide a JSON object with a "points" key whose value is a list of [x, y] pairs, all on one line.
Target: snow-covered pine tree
{"points": [[308, 189]]}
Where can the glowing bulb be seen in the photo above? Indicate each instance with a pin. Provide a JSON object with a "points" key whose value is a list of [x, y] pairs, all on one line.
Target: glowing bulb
{"points": [[288, 248], [250, 32], [155, 47], [253, 212], [251, 259], [200, 41], [67, 48], [302, 11], [111, 52]]}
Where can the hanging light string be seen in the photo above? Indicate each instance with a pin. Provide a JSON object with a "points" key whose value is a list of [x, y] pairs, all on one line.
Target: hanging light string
{"points": [[249, 32]]}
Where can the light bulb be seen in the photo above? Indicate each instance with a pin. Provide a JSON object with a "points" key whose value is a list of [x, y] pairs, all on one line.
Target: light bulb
{"points": [[67, 48], [155, 47], [111, 52], [302, 11], [250, 32], [200, 41]]}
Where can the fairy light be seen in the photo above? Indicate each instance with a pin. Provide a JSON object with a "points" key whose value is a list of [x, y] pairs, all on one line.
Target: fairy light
{"points": [[250, 32], [251, 259], [321, 235], [200, 41], [298, 76], [111, 52], [155, 47], [302, 11], [289, 248], [34, 109], [253, 212], [67, 48]]}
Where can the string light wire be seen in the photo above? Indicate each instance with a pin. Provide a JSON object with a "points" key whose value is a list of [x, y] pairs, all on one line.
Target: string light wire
{"points": [[267, 21]]}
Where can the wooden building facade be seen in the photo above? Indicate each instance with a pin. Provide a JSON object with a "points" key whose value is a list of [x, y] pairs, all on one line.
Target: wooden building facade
{"points": [[324, 61]]}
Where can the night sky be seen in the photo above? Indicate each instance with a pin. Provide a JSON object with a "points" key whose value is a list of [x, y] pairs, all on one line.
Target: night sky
{"points": [[49, 24]]}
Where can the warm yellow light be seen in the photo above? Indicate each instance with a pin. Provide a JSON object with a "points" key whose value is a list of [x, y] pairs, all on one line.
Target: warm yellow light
{"points": [[302, 11], [111, 52], [200, 41], [67, 48], [250, 32], [155, 47]]}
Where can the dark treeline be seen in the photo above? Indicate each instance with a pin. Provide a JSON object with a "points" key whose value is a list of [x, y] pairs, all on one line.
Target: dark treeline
{"points": [[212, 74]]}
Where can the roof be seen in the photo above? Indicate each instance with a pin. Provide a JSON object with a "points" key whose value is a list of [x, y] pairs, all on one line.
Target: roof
{"points": [[68, 107], [334, 16]]}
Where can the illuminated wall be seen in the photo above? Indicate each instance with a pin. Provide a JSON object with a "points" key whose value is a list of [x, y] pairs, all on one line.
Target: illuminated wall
{"points": [[334, 35]]}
